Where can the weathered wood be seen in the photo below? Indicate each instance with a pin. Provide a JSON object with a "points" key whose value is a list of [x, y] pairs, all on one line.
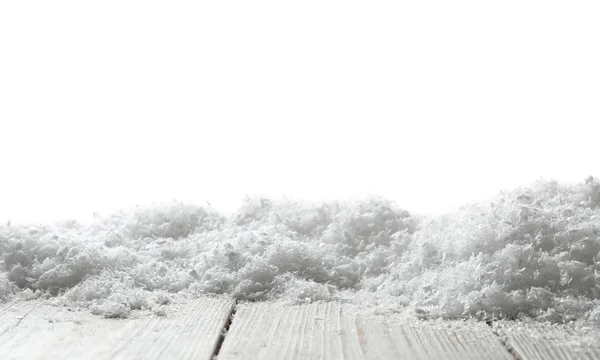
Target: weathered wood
{"points": [[276, 331], [395, 338], [11, 314], [545, 341], [188, 331], [36, 330], [335, 331]]}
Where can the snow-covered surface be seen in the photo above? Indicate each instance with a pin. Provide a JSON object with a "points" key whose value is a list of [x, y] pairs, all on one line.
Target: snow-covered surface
{"points": [[529, 252], [37, 329], [330, 330], [541, 341]]}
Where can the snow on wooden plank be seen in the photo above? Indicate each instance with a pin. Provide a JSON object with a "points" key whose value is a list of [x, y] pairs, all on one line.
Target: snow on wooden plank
{"points": [[11, 314], [189, 330], [394, 337], [277, 331], [546, 341], [335, 331]]}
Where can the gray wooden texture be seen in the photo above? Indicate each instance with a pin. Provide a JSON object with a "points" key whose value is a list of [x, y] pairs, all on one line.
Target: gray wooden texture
{"points": [[37, 330], [336, 331]]}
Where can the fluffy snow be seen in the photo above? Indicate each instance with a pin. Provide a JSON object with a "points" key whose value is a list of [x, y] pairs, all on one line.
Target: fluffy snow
{"points": [[531, 252]]}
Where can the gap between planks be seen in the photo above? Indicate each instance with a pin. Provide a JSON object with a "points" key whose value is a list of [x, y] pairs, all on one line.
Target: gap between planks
{"points": [[208, 328]]}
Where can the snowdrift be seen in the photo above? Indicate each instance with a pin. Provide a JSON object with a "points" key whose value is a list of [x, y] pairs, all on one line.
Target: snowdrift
{"points": [[530, 252]]}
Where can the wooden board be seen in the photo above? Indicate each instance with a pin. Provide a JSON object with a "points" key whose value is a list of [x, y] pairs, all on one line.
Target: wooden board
{"points": [[335, 331], [11, 314], [545, 341], [188, 331], [432, 339]]}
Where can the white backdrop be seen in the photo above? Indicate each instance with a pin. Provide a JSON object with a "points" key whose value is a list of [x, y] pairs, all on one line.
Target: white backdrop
{"points": [[433, 104]]}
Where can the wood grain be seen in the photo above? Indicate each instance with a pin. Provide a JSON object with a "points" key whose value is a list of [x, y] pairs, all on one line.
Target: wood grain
{"points": [[189, 331], [276, 331], [434, 339], [545, 341], [38, 330], [336, 331], [11, 314]]}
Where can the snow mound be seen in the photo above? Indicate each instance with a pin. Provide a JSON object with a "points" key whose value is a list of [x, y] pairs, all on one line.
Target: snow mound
{"points": [[531, 252]]}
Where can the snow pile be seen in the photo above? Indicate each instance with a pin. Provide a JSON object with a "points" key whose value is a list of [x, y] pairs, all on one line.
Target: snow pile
{"points": [[530, 252]]}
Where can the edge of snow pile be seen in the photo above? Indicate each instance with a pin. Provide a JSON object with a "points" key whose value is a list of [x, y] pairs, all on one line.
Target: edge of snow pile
{"points": [[531, 252]]}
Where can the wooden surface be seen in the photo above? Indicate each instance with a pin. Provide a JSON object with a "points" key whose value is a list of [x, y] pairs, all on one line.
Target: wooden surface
{"points": [[544, 341], [36, 330], [194, 330], [335, 331], [11, 314], [394, 339]]}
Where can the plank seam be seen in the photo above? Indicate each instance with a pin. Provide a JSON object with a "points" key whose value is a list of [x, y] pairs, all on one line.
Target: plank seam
{"points": [[224, 330], [20, 319], [511, 350]]}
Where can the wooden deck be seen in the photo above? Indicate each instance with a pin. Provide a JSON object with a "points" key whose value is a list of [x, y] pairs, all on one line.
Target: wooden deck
{"points": [[34, 330], [201, 329]]}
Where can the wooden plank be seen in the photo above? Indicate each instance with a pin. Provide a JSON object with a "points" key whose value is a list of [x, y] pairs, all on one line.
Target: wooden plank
{"points": [[394, 337], [190, 330], [545, 341], [12, 313], [335, 331], [277, 331]]}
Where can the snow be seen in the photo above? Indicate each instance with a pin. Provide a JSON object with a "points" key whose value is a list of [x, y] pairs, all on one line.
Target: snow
{"points": [[531, 252]]}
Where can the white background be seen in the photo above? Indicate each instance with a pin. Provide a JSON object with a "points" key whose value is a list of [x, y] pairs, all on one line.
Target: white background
{"points": [[108, 104]]}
